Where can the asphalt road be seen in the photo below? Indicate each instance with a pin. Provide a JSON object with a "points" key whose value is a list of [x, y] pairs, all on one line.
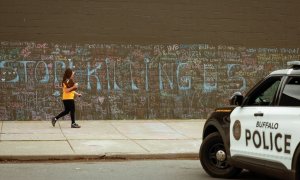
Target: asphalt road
{"points": [[102, 170]]}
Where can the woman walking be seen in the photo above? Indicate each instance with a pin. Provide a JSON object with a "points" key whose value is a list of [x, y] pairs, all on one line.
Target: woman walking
{"points": [[69, 93]]}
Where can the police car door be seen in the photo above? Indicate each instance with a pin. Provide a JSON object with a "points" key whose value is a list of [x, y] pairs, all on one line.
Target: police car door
{"points": [[252, 133], [286, 120]]}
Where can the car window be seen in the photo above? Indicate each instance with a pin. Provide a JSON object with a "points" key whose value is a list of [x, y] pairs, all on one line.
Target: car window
{"points": [[291, 93], [265, 93]]}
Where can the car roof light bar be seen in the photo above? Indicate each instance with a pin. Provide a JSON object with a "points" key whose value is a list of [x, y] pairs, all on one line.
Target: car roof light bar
{"points": [[294, 64]]}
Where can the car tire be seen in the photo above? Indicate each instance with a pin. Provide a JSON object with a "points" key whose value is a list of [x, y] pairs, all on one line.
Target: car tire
{"points": [[213, 157], [297, 173]]}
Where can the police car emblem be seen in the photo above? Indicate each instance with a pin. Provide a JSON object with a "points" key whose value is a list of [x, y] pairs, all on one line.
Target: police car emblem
{"points": [[237, 130]]}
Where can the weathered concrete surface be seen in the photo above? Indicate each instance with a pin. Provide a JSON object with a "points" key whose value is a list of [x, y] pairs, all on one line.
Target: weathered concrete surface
{"points": [[136, 139], [271, 23]]}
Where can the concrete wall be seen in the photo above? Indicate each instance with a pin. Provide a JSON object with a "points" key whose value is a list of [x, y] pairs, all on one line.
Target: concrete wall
{"points": [[253, 23], [139, 59], [130, 81]]}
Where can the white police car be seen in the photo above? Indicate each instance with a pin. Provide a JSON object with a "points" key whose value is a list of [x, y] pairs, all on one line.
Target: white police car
{"points": [[259, 132]]}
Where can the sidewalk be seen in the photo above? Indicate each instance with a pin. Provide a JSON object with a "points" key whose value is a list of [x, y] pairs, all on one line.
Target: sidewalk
{"points": [[116, 139]]}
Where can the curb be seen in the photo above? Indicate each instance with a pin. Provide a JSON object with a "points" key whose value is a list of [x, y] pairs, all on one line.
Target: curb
{"points": [[108, 156]]}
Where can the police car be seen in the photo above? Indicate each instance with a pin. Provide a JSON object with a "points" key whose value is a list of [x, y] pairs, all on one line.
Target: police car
{"points": [[259, 131]]}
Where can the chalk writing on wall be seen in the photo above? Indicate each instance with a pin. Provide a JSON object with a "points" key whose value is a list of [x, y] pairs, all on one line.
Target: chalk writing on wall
{"points": [[130, 81]]}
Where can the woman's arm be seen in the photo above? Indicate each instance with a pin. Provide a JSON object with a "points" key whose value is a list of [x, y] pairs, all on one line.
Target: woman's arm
{"points": [[77, 94], [67, 90]]}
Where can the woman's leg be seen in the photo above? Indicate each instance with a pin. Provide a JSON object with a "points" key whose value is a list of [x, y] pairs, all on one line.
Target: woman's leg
{"points": [[65, 112], [67, 105], [72, 111]]}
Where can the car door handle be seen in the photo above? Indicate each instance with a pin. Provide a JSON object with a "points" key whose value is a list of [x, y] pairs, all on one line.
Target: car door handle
{"points": [[259, 114]]}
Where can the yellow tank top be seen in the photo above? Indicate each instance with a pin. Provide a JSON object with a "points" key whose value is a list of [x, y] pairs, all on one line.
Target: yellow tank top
{"points": [[67, 95]]}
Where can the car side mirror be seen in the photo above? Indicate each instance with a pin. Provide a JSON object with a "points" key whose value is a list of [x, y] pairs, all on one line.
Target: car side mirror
{"points": [[236, 99]]}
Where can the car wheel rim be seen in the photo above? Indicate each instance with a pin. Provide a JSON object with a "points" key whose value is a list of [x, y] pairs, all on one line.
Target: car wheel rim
{"points": [[217, 156]]}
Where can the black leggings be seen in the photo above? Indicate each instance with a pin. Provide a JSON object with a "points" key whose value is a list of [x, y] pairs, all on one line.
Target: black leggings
{"points": [[69, 107]]}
